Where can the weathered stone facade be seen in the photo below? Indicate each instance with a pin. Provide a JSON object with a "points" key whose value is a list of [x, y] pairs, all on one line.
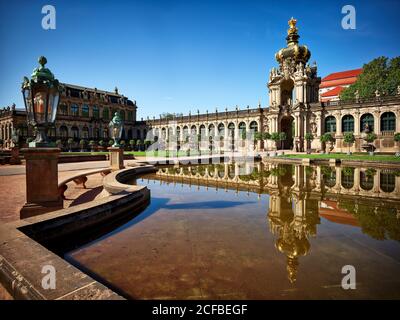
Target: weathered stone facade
{"points": [[83, 113], [295, 109]]}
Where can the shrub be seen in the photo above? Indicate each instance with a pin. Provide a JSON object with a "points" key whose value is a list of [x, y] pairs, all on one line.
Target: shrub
{"points": [[371, 137], [326, 137], [397, 137], [309, 136], [266, 136]]}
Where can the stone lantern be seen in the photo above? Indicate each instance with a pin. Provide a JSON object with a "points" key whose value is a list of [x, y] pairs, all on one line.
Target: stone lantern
{"points": [[41, 97]]}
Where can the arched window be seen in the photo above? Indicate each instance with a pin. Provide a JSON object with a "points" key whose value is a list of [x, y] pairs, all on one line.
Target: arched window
{"points": [[348, 123], [242, 127], [139, 136], [106, 114], [75, 132], [254, 126], [366, 181], [74, 110], [211, 130], [387, 182], [203, 130], [63, 132], [130, 116], [122, 114], [221, 129], [178, 133], [367, 120], [388, 121], [347, 178], [193, 130], [330, 124], [96, 133], [85, 132], [63, 109], [96, 113], [85, 111]]}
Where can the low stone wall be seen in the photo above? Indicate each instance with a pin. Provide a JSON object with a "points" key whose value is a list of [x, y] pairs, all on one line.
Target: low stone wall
{"points": [[65, 158], [25, 245]]}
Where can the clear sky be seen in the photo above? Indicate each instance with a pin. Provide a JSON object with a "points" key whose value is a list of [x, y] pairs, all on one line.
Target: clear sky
{"points": [[177, 56]]}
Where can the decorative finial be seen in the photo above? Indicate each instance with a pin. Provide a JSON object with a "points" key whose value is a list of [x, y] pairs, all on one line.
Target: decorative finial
{"points": [[42, 61], [292, 26]]}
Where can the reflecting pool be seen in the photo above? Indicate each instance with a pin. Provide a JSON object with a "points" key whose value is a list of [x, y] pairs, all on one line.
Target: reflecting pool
{"points": [[260, 231]]}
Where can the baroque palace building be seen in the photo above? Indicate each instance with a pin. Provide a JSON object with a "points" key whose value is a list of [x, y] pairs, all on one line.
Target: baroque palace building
{"points": [[83, 113], [295, 107]]}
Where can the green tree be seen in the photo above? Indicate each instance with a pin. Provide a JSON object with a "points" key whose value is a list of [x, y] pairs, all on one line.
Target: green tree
{"points": [[275, 137], [379, 74], [349, 139]]}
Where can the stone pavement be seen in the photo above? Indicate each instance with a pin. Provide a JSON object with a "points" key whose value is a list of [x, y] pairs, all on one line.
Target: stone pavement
{"points": [[13, 188]]}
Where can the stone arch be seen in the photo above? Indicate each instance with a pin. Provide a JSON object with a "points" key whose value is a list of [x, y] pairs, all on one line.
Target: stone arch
{"points": [[367, 119], [388, 121], [347, 123], [330, 124]]}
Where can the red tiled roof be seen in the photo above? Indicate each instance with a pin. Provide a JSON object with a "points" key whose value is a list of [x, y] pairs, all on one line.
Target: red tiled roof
{"points": [[342, 75], [334, 92], [339, 82]]}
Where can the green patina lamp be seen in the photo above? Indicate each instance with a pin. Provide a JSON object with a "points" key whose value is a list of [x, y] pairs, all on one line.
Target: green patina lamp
{"points": [[41, 98], [116, 126]]}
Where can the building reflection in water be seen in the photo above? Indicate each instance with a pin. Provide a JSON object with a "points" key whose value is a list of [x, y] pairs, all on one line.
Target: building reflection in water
{"points": [[300, 195]]}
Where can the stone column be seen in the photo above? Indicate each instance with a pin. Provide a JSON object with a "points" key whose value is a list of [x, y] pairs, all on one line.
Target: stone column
{"points": [[42, 194], [116, 158]]}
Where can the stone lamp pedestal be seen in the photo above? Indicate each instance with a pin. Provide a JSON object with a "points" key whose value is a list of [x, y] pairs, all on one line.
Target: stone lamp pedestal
{"points": [[116, 158], [42, 194], [15, 156]]}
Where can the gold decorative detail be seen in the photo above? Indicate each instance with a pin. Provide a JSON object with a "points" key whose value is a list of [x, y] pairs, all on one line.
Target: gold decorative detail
{"points": [[292, 26]]}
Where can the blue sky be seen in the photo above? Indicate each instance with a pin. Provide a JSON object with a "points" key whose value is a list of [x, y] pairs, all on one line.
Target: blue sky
{"points": [[177, 56]]}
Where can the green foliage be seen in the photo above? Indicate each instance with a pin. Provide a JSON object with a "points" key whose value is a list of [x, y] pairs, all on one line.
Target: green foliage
{"points": [[275, 136], [92, 143], [58, 142], [380, 224], [122, 142], [370, 172], [28, 140], [132, 142], [379, 74], [309, 136], [147, 143], [110, 142], [266, 136], [258, 136], [348, 171], [138, 142], [282, 136], [101, 143], [397, 137], [371, 137], [326, 137], [348, 137], [70, 141], [82, 142]]}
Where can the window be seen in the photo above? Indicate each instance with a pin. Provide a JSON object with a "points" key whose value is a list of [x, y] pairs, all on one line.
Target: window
{"points": [[85, 132], [367, 120], [130, 116], [330, 124], [63, 132], [63, 109], [388, 121], [96, 113], [74, 110], [122, 114], [106, 114], [387, 182], [75, 132], [85, 111], [254, 126], [347, 123]]}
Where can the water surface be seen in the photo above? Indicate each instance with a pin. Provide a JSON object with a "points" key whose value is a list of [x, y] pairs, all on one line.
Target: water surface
{"points": [[262, 232]]}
